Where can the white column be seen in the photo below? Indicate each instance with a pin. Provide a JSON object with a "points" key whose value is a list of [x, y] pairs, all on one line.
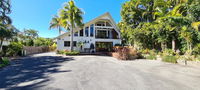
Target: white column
{"points": [[83, 31], [94, 33], [107, 33], [89, 30]]}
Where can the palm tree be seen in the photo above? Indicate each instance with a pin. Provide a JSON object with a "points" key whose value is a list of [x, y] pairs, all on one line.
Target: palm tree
{"points": [[71, 17], [4, 10], [56, 22]]}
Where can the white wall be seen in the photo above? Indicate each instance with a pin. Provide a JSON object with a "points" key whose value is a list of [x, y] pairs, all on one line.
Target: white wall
{"points": [[60, 42], [6, 43]]}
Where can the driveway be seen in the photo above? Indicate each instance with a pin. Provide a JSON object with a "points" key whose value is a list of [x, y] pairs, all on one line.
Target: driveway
{"points": [[53, 72]]}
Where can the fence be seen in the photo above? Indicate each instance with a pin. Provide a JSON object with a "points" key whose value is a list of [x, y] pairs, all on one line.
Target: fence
{"points": [[27, 50]]}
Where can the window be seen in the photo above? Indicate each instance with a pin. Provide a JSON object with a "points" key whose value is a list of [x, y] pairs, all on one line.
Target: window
{"points": [[92, 30], [86, 31], [101, 34], [76, 34], [67, 43], [81, 32]]}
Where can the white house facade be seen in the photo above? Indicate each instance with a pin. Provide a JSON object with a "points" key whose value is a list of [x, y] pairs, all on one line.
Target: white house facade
{"points": [[100, 34]]}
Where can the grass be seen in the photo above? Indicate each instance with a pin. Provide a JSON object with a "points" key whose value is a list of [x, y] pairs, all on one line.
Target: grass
{"points": [[170, 59]]}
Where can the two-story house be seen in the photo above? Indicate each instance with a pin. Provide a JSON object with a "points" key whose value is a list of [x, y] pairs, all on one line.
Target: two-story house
{"points": [[100, 33]]}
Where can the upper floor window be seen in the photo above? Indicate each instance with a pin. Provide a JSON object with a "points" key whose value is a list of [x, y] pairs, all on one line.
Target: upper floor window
{"points": [[81, 32], [92, 30], [87, 31]]}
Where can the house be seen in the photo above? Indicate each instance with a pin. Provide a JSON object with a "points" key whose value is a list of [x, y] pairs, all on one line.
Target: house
{"points": [[99, 34]]}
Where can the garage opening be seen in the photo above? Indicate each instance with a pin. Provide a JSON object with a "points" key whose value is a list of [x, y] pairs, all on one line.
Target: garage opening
{"points": [[104, 46]]}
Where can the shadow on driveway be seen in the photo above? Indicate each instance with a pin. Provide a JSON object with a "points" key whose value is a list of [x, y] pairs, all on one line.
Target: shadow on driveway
{"points": [[31, 69]]}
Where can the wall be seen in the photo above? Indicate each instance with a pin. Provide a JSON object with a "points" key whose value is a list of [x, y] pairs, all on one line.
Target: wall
{"points": [[60, 42]]}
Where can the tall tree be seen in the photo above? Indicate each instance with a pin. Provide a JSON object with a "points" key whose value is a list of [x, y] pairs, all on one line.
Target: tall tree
{"points": [[71, 17], [30, 33], [56, 22], [6, 32], [4, 10]]}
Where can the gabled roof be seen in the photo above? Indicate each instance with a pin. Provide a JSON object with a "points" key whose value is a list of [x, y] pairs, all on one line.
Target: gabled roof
{"points": [[107, 14]]}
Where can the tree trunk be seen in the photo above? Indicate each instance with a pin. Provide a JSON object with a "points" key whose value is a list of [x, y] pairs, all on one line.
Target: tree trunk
{"points": [[1, 44], [173, 45], [188, 46], [162, 46], [71, 39], [59, 30]]}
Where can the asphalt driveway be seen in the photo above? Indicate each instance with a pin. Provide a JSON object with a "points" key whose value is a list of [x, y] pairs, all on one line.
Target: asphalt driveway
{"points": [[53, 72]]}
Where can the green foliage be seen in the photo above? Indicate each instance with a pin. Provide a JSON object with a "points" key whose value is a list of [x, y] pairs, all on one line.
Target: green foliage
{"points": [[169, 58], [70, 16], [6, 32], [4, 61], [72, 53], [161, 24], [169, 52], [151, 57], [60, 51], [53, 47], [196, 50], [5, 8], [43, 41], [14, 48]]}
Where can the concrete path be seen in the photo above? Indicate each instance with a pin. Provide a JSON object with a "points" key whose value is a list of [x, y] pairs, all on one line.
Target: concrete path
{"points": [[53, 72]]}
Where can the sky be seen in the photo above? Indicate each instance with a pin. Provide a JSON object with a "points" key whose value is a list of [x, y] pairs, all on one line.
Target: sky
{"points": [[37, 14]]}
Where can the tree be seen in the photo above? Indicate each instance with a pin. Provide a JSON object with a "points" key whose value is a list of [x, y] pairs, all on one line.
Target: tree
{"points": [[71, 17], [31, 34], [4, 10], [56, 22], [6, 32]]}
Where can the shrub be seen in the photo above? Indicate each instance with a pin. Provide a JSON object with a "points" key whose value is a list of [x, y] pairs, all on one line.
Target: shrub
{"points": [[52, 47], [14, 48], [170, 58], [196, 50], [72, 53], [4, 61], [125, 53], [60, 52], [151, 57], [169, 52]]}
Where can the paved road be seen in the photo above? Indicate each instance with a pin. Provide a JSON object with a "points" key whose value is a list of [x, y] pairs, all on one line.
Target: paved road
{"points": [[48, 71]]}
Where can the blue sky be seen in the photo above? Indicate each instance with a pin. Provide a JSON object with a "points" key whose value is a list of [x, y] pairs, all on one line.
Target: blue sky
{"points": [[36, 14]]}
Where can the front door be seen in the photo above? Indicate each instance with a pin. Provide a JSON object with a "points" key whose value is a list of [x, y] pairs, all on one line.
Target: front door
{"points": [[104, 46]]}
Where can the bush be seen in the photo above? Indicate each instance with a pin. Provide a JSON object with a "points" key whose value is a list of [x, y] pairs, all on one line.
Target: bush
{"points": [[151, 57], [170, 58], [60, 51], [125, 53], [4, 62], [72, 53], [169, 52], [52, 47], [196, 50], [14, 48]]}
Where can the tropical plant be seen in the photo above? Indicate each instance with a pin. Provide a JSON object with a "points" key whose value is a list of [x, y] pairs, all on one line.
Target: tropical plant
{"points": [[4, 10], [31, 34], [71, 17], [56, 22], [14, 48], [5, 33], [155, 24]]}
